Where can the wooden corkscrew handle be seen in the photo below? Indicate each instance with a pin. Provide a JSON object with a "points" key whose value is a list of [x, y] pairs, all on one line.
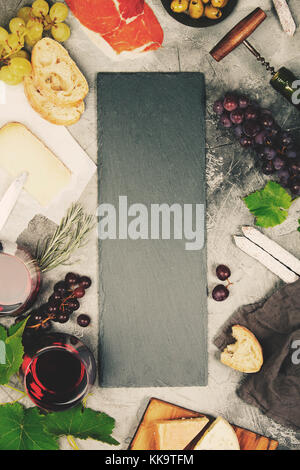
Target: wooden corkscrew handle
{"points": [[238, 34]]}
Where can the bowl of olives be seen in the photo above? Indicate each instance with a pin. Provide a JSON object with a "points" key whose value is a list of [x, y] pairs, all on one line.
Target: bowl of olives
{"points": [[199, 13]]}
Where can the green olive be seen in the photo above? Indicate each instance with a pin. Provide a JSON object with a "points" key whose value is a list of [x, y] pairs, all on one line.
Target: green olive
{"points": [[179, 6], [196, 9]]}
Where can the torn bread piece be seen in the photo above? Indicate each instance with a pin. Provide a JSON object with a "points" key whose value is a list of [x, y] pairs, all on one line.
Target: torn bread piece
{"points": [[176, 434], [245, 355], [220, 435]]}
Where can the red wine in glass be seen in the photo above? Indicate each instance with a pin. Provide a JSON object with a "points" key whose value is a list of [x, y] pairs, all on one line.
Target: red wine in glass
{"points": [[20, 279], [60, 373]]}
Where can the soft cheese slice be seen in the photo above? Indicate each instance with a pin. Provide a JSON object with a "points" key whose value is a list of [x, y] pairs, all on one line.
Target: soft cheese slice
{"points": [[219, 436], [176, 434], [21, 151]]}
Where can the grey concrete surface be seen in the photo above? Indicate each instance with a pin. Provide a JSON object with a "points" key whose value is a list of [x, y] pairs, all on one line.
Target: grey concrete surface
{"points": [[231, 174]]}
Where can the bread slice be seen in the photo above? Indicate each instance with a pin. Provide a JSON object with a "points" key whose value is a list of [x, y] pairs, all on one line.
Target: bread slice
{"points": [[176, 434], [60, 115], [219, 436], [245, 355], [22, 151], [56, 74]]}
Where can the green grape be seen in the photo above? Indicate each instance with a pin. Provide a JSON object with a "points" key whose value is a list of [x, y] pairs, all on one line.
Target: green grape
{"points": [[17, 25], [60, 32], [59, 12], [32, 22], [7, 76], [13, 41], [29, 41], [20, 66], [40, 8], [35, 31], [21, 53], [25, 13], [3, 34]]}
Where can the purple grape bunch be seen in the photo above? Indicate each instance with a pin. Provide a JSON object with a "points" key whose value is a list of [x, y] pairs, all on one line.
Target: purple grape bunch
{"points": [[256, 128]]}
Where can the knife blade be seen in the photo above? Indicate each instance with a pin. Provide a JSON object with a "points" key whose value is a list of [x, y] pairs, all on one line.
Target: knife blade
{"points": [[266, 259], [285, 16], [9, 199]]}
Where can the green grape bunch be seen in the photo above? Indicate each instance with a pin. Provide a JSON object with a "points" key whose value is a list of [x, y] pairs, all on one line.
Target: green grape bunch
{"points": [[26, 30]]}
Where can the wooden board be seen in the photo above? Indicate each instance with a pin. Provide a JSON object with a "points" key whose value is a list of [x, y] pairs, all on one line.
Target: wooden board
{"points": [[159, 409], [153, 294]]}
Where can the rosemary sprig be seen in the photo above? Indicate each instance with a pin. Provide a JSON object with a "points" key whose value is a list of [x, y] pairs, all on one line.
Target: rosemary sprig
{"points": [[68, 236]]}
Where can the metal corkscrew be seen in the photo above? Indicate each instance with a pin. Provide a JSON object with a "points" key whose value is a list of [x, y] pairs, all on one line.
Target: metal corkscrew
{"points": [[282, 80]]}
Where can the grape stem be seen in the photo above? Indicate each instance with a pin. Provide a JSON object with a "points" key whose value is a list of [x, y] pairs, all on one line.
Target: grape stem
{"points": [[228, 283]]}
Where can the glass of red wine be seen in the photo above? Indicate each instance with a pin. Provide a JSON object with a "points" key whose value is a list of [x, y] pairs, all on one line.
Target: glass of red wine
{"points": [[20, 279], [60, 373]]}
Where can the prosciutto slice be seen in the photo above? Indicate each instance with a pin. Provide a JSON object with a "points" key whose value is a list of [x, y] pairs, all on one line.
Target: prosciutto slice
{"points": [[125, 25]]}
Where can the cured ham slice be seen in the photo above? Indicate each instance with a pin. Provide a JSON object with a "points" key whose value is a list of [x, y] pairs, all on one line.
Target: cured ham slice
{"points": [[126, 26]]}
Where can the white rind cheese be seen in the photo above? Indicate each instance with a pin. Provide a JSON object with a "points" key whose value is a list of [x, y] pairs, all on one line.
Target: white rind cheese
{"points": [[21, 151]]}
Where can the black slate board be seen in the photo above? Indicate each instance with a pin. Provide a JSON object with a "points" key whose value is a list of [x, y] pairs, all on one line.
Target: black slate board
{"points": [[153, 313]]}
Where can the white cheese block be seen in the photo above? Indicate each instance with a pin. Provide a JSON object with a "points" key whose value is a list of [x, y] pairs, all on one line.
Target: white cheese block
{"points": [[219, 436], [176, 434], [21, 151]]}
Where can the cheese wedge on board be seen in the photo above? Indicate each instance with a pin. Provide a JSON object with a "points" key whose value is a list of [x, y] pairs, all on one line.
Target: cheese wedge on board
{"points": [[176, 434], [20, 151], [219, 436]]}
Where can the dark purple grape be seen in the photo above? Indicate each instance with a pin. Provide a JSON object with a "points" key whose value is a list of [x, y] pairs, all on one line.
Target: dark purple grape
{"points": [[83, 320], [251, 113], [237, 116], [230, 102], [266, 120], [61, 287], [36, 318], [218, 107], [291, 153], [284, 176], [62, 317], [294, 166], [223, 272], [286, 138], [238, 131], [274, 130], [278, 162], [270, 152], [246, 141], [251, 128], [79, 292], [244, 102], [71, 279], [294, 185], [225, 120], [85, 282], [54, 298], [260, 137], [220, 293], [268, 168], [73, 304]]}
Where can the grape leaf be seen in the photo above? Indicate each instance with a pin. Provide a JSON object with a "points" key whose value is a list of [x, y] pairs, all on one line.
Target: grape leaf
{"points": [[24, 429], [3, 333], [269, 205], [82, 423], [14, 351]]}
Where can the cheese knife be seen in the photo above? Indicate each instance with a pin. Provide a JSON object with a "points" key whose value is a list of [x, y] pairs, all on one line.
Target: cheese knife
{"points": [[10, 198]]}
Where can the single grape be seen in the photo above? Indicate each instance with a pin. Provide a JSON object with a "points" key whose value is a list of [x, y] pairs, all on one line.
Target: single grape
{"points": [[268, 168], [218, 107], [14, 41], [71, 279], [251, 128], [270, 152], [225, 120], [55, 298], [60, 32], [230, 102], [83, 320], [294, 166], [278, 163], [246, 141], [40, 8], [220, 293], [266, 120], [243, 102], [21, 53], [37, 318], [292, 153], [30, 42], [17, 25], [20, 66], [73, 304], [85, 282], [286, 138], [223, 272], [62, 317], [25, 13], [251, 113], [283, 175], [3, 34], [59, 12], [79, 292], [260, 137], [8, 77], [237, 116], [294, 185], [238, 131], [35, 31], [61, 287]]}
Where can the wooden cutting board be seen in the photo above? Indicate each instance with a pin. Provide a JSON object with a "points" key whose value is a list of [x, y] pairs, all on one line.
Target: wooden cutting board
{"points": [[159, 409]]}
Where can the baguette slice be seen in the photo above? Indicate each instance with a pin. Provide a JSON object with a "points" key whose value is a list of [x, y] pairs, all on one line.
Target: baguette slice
{"points": [[60, 115], [219, 436], [176, 434], [245, 355], [20, 151], [56, 74]]}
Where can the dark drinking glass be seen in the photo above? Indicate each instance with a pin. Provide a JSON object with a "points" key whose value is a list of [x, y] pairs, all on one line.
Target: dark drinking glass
{"points": [[20, 279], [60, 373]]}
